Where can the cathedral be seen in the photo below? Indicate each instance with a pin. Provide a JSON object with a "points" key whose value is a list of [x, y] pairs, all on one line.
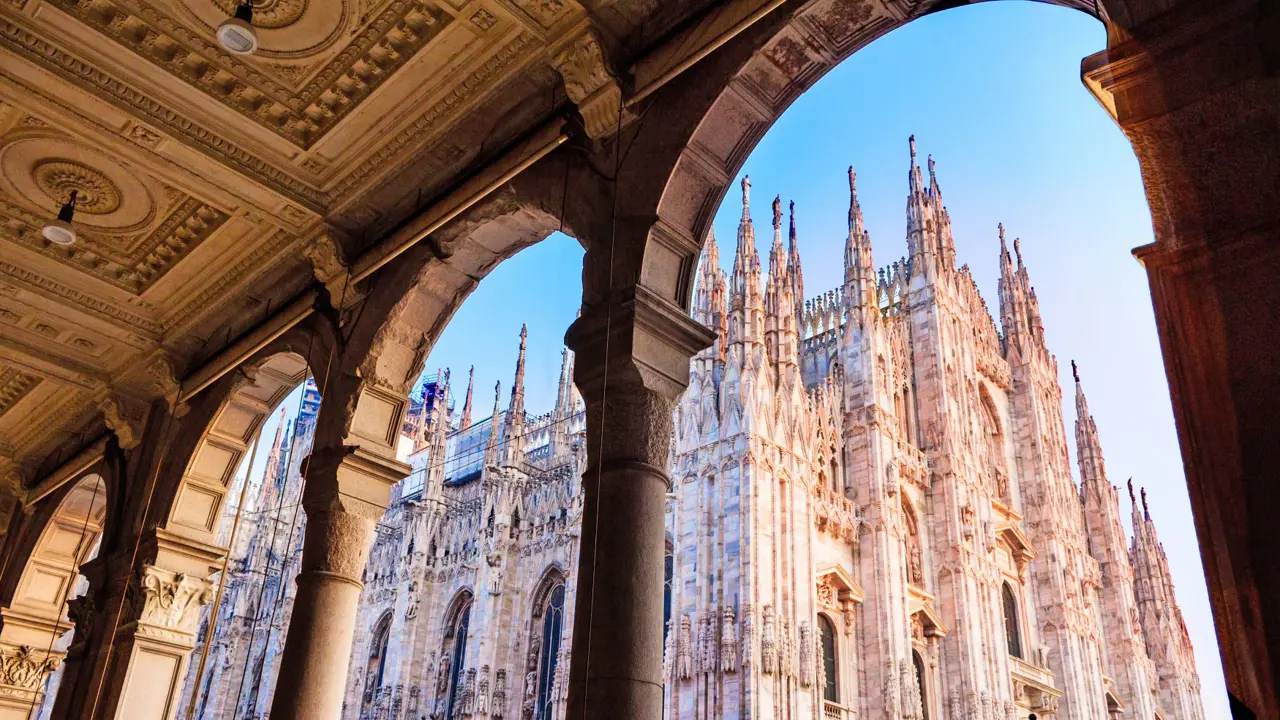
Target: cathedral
{"points": [[871, 514]]}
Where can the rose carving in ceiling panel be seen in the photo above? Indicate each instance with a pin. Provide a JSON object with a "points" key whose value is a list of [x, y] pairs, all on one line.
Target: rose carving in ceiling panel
{"points": [[130, 228]]}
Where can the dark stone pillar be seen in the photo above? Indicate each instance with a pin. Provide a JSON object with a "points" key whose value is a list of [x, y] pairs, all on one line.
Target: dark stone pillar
{"points": [[347, 491], [1197, 91], [632, 364]]}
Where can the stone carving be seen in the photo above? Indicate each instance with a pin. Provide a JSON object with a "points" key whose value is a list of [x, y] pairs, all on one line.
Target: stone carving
{"points": [[912, 708], [892, 706], [126, 419], [467, 693], [326, 263], [728, 641], [171, 601], [482, 691], [985, 707], [21, 667], [497, 708], [560, 687], [95, 193], [768, 643], [684, 653], [669, 653], [826, 592], [914, 566], [954, 702], [442, 674], [1010, 710], [589, 83], [748, 637], [806, 654], [708, 653], [891, 478]]}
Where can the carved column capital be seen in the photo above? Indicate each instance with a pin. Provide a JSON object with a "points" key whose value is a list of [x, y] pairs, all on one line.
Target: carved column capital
{"points": [[126, 417], [590, 84], [166, 605], [25, 657], [631, 364], [324, 251]]}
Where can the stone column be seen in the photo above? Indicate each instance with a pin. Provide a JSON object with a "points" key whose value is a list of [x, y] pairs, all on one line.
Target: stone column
{"points": [[348, 489], [137, 671], [27, 657], [1196, 89], [632, 362]]}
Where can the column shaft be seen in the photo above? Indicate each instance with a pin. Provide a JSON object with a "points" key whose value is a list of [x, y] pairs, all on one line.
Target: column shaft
{"points": [[1196, 91], [632, 363]]}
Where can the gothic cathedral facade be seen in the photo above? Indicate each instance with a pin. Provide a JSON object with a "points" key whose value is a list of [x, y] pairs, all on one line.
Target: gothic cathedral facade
{"points": [[872, 514]]}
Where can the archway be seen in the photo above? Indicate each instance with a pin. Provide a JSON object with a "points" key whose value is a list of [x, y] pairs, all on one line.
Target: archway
{"points": [[38, 623]]}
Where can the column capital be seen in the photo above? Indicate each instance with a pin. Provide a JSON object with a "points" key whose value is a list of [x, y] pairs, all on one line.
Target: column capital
{"points": [[635, 338], [164, 605]]}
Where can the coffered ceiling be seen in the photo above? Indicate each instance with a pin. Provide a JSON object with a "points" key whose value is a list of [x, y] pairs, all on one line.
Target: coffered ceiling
{"points": [[202, 175]]}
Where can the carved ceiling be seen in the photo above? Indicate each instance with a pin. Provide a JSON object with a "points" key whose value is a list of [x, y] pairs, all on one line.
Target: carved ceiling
{"points": [[201, 176]]}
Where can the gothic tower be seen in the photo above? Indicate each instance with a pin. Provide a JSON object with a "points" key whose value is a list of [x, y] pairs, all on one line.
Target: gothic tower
{"points": [[1125, 661]]}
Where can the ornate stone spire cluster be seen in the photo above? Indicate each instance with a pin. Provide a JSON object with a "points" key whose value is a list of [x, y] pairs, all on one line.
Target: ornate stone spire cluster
{"points": [[1019, 308]]}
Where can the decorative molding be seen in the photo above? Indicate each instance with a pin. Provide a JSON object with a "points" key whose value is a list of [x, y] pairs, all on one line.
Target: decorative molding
{"points": [[14, 385], [24, 668], [170, 601], [589, 83]]}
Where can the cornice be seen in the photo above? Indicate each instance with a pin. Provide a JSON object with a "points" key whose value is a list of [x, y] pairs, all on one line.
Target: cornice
{"points": [[130, 99], [44, 285]]}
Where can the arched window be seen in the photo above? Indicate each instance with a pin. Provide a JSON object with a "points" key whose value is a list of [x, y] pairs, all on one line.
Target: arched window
{"points": [[1011, 632], [458, 622], [377, 663], [921, 685], [552, 626], [827, 636], [668, 569]]}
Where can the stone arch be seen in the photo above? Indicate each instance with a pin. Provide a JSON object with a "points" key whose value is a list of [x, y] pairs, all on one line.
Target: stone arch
{"points": [[68, 537], [546, 647], [232, 416], [40, 603], [678, 171]]}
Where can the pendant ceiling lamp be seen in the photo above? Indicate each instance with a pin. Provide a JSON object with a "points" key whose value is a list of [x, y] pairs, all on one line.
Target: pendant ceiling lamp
{"points": [[236, 34], [60, 231]]}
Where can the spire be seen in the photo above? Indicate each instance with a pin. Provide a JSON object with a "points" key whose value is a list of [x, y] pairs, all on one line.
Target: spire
{"points": [[779, 304], [562, 393], [934, 190], [859, 272], [1146, 511], [1093, 474], [495, 430], [746, 323], [465, 421], [516, 410], [793, 268], [914, 179]]}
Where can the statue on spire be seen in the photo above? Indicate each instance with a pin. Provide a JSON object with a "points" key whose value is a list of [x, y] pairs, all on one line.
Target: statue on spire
{"points": [[791, 207], [1146, 511], [1075, 372], [1132, 499], [912, 142], [777, 211], [746, 193]]}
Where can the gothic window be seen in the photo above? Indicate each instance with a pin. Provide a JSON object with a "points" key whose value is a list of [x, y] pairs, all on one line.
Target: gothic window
{"points": [[668, 569], [1011, 632], [458, 623], [921, 685], [377, 663], [827, 637], [548, 627]]}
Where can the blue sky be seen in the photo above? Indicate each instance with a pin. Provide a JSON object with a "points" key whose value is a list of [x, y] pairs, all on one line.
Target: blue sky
{"points": [[993, 92]]}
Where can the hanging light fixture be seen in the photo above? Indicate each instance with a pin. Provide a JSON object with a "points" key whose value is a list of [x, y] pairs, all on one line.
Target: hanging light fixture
{"points": [[60, 232], [236, 34]]}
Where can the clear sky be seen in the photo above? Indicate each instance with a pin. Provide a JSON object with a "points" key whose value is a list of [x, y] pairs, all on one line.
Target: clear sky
{"points": [[993, 91]]}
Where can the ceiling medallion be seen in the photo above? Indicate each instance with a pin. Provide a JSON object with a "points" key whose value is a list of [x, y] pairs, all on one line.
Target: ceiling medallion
{"points": [[95, 193], [269, 14]]}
